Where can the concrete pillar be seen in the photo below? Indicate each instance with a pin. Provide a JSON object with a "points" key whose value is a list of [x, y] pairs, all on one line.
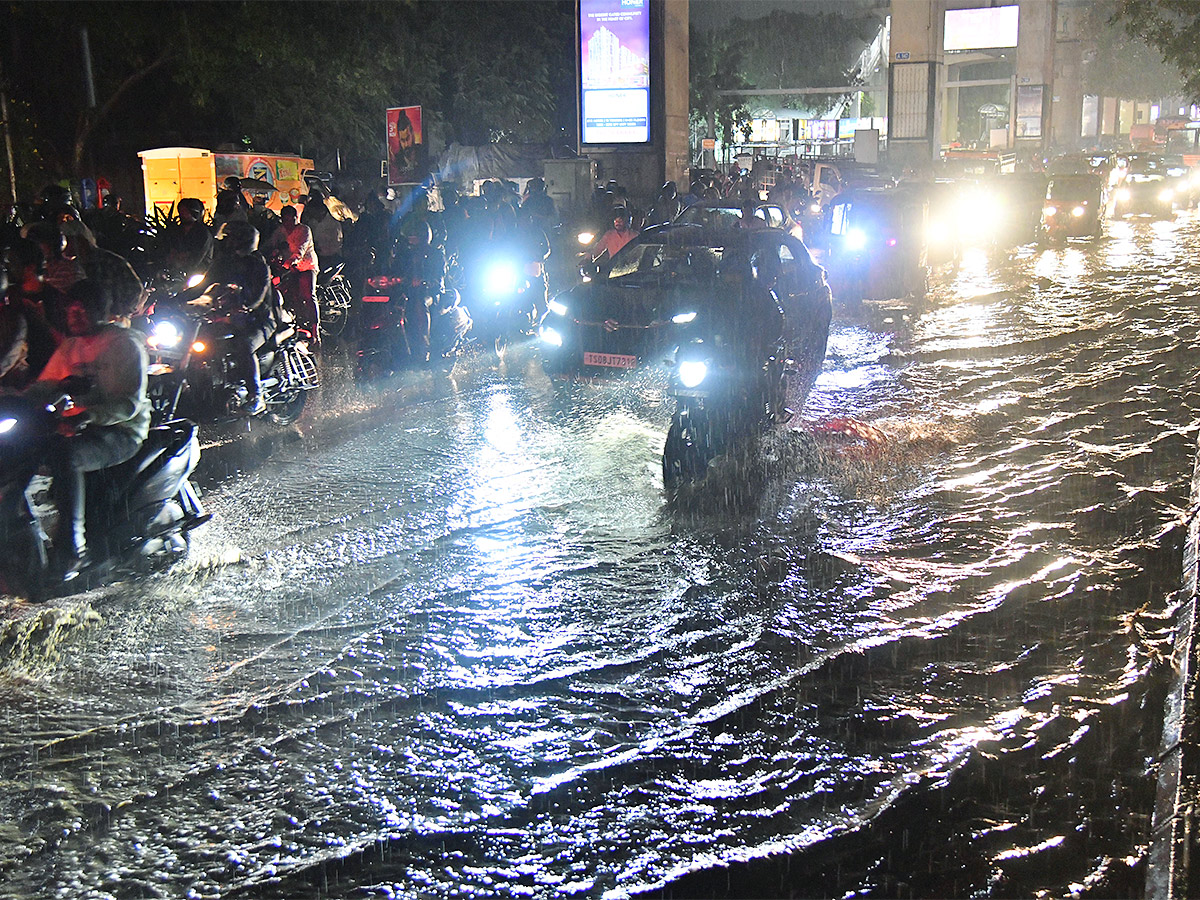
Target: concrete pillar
{"points": [[1066, 115], [676, 145], [915, 72], [1033, 103]]}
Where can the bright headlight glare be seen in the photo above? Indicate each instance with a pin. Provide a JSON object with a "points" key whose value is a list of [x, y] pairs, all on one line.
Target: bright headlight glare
{"points": [[1049, 210], [1124, 194], [165, 334], [195, 279], [683, 318], [856, 239], [559, 309], [1078, 211], [585, 237], [1166, 194], [501, 278], [692, 372], [550, 336], [814, 207], [7, 424]]}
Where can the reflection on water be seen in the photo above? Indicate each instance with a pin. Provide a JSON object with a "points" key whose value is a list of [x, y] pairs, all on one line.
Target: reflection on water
{"points": [[472, 650]]}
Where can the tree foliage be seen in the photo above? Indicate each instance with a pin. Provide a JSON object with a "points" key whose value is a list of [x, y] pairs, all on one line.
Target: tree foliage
{"points": [[315, 76], [1121, 63], [1173, 28], [802, 50], [716, 64]]}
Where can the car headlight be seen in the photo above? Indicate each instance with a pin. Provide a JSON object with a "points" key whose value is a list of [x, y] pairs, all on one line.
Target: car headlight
{"points": [[856, 239], [1124, 194], [559, 309], [683, 318], [1078, 211], [692, 372], [7, 424], [500, 278], [1165, 194], [1049, 210], [166, 335], [550, 336], [585, 237]]}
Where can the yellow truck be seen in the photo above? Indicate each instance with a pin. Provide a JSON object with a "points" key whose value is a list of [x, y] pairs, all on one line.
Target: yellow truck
{"points": [[172, 173]]}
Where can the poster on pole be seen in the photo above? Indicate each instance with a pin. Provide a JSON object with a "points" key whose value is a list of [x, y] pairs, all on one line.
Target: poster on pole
{"points": [[405, 145], [614, 83]]}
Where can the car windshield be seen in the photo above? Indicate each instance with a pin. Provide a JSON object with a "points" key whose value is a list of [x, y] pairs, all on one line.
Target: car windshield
{"points": [[1062, 188], [711, 216], [681, 255]]}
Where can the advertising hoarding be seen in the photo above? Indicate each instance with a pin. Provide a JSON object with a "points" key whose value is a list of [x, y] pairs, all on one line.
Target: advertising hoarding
{"points": [[405, 145], [981, 29], [614, 54]]}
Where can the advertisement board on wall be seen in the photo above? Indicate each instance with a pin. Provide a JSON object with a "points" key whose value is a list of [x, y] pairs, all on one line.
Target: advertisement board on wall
{"points": [[405, 145], [981, 29], [614, 84]]}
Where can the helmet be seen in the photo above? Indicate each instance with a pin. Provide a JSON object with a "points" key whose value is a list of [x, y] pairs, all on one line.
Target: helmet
{"points": [[55, 195], [669, 191], [536, 185], [238, 237]]}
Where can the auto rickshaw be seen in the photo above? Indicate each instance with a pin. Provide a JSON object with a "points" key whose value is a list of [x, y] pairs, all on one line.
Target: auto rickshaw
{"points": [[876, 244]]}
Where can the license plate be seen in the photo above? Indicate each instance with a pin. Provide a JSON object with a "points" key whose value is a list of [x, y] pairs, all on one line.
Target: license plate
{"points": [[376, 299], [611, 360]]}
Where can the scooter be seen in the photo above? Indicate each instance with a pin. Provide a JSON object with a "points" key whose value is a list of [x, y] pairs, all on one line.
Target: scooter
{"points": [[194, 372], [140, 514]]}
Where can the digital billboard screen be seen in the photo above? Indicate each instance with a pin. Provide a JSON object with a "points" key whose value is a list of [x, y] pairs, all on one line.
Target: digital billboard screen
{"points": [[981, 29], [614, 42]]}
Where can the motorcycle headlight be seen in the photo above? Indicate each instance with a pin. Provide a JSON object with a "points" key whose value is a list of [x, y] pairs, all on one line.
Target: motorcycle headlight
{"points": [[500, 278], [856, 239], [7, 424], [550, 336], [1078, 211], [1124, 194], [196, 279], [1165, 194], [585, 237], [692, 372], [1049, 210], [814, 208], [683, 318], [559, 309], [165, 335]]}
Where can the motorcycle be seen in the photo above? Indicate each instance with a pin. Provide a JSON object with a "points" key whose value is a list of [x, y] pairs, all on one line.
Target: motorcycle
{"points": [[140, 514], [719, 401], [334, 300], [502, 300], [194, 370]]}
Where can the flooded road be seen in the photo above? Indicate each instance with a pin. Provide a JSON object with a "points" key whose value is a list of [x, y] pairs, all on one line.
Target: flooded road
{"points": [[466, 648]]}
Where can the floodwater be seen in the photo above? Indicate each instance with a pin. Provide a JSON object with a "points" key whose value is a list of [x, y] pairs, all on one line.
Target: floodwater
{"points": [[467, 648]]}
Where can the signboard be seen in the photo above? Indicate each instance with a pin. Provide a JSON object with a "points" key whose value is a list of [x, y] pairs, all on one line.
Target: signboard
{"points": [[981, 29], [405, 145], [614, 78], [1029, 110]]}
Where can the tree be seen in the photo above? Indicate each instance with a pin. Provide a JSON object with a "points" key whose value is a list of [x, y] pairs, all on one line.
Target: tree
{"points": [[1122, 63], [830, 45], [716, 64], [1173, 28]]}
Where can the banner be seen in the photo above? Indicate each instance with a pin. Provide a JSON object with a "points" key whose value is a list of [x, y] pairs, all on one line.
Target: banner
{"points": [[614, 47], [405, 145]]}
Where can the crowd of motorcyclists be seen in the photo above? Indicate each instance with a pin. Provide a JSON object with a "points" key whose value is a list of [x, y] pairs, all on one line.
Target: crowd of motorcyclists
{"points": [[71, 293]]}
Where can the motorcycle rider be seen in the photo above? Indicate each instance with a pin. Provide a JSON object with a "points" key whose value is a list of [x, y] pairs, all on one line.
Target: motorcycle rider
{"points": [[291, 247], [111, 414], [239, 263], [666, 207], [190, 243], [42, 306], [231, 203], [539, 205], [616, 237]]}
